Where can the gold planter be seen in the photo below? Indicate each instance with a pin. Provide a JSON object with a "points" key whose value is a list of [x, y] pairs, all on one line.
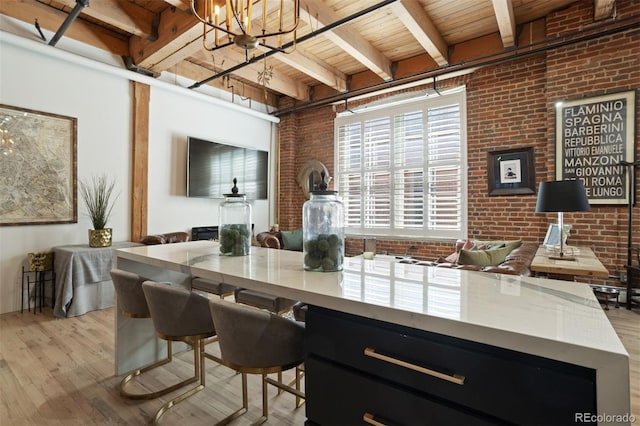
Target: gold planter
{"points": [[100, 237]]}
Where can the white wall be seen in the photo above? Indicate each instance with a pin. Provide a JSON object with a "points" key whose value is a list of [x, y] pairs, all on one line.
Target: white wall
{"points": [[170, 125], [101, 101]]}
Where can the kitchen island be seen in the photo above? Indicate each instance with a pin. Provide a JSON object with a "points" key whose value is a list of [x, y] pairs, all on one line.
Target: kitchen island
{"points": [[514, 338]]}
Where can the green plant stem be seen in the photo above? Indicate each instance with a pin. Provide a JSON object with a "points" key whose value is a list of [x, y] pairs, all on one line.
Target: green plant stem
{"points": [[97, 195]]}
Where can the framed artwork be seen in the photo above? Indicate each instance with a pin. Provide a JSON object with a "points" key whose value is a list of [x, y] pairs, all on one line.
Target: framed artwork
{"points": [[553, 235], [594, 138], [511, 172], [37, 167]]}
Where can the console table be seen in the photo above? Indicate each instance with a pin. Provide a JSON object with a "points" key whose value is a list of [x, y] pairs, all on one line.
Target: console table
{"points": [[586, 263], [546, 351], [83, 278]]}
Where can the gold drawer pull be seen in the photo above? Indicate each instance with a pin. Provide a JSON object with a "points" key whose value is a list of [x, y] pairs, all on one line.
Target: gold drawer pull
{"points": [[457, 379], [368, 418]]}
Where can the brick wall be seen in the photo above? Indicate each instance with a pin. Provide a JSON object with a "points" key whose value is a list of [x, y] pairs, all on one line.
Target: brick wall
{"points": [[601, 66], [509, 105]]}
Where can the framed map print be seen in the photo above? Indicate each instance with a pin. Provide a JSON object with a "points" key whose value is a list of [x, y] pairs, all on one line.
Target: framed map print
{"points": [[37, 167]]}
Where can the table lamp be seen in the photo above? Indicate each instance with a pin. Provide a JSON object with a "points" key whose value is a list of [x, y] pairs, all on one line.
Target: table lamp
{"points": [[562, 196]]}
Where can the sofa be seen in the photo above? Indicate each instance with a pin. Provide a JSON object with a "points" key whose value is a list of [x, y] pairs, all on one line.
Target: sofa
{"points": [[168, 238], [287, 240], [501, 257]]}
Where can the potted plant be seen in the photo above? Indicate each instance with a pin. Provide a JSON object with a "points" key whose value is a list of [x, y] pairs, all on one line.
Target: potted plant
{"points": [[99, 199]]}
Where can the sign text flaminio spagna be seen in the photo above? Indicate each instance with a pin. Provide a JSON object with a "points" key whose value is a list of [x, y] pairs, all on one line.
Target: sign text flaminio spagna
{"points": [[594, 144]]}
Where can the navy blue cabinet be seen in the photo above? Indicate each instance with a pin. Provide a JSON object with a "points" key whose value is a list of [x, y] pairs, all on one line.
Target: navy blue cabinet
{"points": [[359, 368]]}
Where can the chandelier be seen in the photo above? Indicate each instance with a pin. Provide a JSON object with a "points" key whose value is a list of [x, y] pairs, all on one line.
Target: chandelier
{"points": [[245, 23]]}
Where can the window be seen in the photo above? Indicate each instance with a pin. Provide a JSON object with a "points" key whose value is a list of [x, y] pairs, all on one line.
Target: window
{"points": [[400, 169]]}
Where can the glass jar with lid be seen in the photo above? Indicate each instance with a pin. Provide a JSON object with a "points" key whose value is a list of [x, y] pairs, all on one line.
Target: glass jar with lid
{"points": [[235, 224], [323, 230]]}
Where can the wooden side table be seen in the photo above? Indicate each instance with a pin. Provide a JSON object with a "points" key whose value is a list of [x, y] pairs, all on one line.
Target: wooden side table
{"points": [[586, 264]]}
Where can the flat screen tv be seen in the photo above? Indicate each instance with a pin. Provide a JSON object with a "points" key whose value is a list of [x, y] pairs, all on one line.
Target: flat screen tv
{"points": [[211, 167]]}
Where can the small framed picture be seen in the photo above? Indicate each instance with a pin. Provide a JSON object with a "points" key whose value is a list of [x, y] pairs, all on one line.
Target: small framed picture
{"points": [[511, 171], [552, 238]]}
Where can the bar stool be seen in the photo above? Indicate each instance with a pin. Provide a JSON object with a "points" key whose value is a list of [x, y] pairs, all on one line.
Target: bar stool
{"points": [[300, 311], [254, 341], [221, 289], [180, 315], [276, 304], [133, 303]]}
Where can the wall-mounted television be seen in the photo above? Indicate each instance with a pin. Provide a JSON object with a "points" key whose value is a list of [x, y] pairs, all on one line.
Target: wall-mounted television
{"points": [[211, 167]]}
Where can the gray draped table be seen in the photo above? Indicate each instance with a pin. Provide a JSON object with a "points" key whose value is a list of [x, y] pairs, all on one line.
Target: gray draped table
{"points": [[83, 280]]}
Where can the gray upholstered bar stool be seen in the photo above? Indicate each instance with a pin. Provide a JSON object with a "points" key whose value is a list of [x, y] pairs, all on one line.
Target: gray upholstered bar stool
{"points": [[180, 315], [258, 299], [276, 304], [133, 303], [254, 341], [221, 289], [300, 311]]}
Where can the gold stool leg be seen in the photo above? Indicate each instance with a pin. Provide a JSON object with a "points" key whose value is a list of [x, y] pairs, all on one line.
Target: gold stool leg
{"points": [[245, 398], [299, 375], [151, 395], [199, 373], [265, 401]]}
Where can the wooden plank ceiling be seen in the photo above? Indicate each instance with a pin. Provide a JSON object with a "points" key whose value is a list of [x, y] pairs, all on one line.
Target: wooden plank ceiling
{"points": [[395, 39]]}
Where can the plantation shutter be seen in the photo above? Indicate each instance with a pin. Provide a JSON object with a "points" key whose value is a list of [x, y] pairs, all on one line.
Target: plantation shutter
{"points": [[399, 170]]}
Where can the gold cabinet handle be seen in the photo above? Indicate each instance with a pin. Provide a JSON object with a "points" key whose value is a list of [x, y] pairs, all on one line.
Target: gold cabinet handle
{"points": [[369, 419], [457, 379]]}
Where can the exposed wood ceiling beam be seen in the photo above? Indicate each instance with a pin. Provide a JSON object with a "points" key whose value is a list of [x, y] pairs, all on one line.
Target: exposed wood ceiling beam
{"points": [[121, 14], [186, 41], [322, 72], [180, 35], [279, 83], [602, 9], [506, 21], [317, 13], [414, 17], [51, 18], [183, 5]]}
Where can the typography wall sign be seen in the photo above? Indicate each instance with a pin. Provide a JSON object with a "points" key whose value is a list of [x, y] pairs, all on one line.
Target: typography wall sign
{"points": [[593, 137]]}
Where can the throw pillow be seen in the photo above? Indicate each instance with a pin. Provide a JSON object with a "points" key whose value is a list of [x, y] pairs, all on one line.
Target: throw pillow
{"points": [[292, 240], [452, 258], [483, 257], [490, 245]]}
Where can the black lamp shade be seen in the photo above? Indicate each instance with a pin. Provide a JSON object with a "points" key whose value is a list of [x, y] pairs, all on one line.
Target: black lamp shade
{"points": [[562, 196]]}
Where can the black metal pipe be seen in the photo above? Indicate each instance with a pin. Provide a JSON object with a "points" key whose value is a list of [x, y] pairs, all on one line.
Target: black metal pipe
{"points": [[535, 49], [80, 4], [305, 37]]}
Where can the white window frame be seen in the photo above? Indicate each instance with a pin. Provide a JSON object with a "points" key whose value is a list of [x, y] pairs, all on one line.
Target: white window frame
{"points": [[456, 96]]}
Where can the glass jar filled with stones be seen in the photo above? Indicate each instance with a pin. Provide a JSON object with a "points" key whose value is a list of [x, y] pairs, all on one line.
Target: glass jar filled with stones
{"points": [[323, 230], [235, 224]]}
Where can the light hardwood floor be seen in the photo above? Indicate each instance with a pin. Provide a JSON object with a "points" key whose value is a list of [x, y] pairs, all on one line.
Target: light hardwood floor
{"points": [[61, 372]]}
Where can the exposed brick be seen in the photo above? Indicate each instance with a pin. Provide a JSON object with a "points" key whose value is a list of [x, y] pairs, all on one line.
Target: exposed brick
{"points": [[508, 106]]}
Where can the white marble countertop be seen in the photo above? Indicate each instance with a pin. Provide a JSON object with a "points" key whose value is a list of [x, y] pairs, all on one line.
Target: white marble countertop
{"points": [[560, 320], [422, 297]]}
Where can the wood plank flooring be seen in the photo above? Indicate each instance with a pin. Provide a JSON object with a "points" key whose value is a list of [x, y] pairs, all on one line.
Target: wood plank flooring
{"points": [[61, 372]]}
